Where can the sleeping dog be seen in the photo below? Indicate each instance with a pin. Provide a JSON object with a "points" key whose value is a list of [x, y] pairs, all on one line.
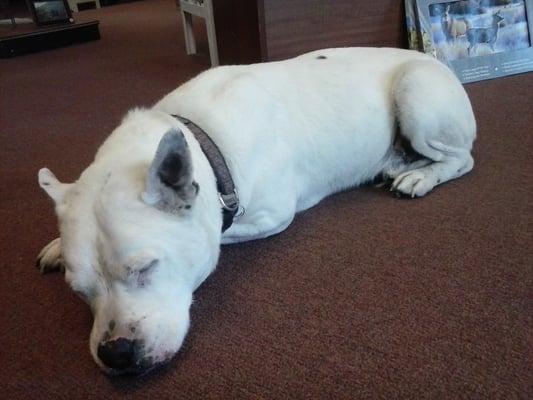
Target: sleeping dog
{"points": [[233, 155]]}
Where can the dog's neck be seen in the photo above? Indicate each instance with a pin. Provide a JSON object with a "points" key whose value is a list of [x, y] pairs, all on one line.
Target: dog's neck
{"points": [[227, 193]]}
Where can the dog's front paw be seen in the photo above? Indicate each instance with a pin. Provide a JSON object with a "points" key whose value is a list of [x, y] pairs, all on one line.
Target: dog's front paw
{"points": [[414, 183], [49, 259]]}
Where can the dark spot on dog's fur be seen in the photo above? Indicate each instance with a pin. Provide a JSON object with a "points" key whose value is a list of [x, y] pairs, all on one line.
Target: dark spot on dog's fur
{"points": [[188, 207], [107, 178], [46, 183], [132, 329], [321, 57], [112, 324]]}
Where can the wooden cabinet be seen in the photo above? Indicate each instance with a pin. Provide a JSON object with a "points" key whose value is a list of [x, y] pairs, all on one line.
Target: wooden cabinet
{"points": [[266, 30]]}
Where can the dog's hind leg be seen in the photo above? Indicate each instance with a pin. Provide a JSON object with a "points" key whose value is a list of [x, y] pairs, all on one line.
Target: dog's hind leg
{"points": [[435, 116], [419, 181], [49, 259], [402, 158]]}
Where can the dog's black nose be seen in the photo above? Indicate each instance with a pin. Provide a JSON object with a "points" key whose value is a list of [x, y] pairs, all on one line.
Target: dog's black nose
{"points": [[118, 354]]}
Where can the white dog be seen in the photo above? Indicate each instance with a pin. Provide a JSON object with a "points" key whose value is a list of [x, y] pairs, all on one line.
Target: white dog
{"points": [[141, 228]]}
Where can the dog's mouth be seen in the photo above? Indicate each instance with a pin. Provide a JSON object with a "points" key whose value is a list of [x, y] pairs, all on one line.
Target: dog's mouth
{"points": [[137, 370], [144, 367]]}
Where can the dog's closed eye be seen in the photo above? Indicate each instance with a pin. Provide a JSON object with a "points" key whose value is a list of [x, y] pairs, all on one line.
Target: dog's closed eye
{"points": [[141, 276]]}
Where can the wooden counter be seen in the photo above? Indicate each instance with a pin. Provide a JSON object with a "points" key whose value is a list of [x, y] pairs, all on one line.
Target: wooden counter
{"points": [[265, 30]]}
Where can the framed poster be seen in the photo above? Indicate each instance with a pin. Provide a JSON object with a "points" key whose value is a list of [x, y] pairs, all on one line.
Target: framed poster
{"points": [[478, 39]]}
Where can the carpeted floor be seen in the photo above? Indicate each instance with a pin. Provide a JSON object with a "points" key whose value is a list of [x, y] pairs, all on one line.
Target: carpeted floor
{"points": [[364, 296]]}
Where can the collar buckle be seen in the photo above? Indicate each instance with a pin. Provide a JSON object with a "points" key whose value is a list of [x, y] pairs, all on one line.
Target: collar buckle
{"points": [[230, 202]]}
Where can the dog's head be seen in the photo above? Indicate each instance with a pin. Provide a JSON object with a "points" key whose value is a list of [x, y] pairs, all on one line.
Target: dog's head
{"points": [[135, 245]]}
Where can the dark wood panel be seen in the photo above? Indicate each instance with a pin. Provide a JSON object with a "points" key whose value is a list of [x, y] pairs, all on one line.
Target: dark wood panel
{"points": [[292, 27], [237, 27]]}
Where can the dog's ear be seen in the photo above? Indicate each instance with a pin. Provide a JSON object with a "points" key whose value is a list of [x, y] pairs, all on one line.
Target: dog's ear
{"points": [[49, 183], [169, 182]]}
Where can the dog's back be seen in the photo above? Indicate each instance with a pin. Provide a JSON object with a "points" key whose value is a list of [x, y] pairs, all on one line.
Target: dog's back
{"points": [[313, 112], [298, 130]]}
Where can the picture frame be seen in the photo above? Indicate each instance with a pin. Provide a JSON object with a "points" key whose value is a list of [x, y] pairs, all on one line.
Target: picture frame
{"points": [[477, 39], [50, 12], [413, 26]]}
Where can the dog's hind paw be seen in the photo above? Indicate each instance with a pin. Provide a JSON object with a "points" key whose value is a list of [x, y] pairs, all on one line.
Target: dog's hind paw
{"points": [[49, 259], [414, 183]]}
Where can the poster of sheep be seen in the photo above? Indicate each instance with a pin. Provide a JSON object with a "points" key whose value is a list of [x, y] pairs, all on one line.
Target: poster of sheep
{"points": [[478, 39]]}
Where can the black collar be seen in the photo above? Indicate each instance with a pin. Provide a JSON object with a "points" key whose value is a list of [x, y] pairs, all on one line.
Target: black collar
{"points": [[227, 193]]}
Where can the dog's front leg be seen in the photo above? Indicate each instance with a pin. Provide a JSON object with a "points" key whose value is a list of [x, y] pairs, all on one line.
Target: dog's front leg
{"points": [[49, 259]]}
